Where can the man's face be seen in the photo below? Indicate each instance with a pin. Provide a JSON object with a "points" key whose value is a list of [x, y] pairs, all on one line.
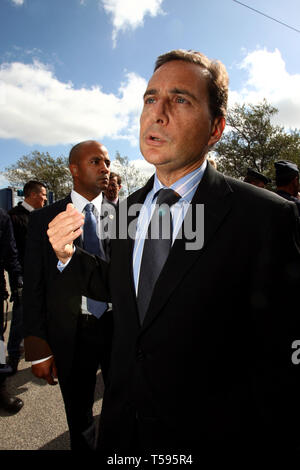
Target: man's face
{"points": [[39, 199], [113, 189], [91, 172], [176, 128]]}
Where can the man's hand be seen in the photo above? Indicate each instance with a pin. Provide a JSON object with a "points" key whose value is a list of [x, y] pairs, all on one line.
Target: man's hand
{"points": [[46, 370], [63, 229]]}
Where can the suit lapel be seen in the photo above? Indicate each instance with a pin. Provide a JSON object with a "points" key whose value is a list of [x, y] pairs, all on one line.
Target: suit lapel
{"points": [[213, 193]]}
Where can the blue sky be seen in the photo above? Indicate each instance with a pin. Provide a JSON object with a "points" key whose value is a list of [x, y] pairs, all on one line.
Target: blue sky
{"points": [[72, 70]]}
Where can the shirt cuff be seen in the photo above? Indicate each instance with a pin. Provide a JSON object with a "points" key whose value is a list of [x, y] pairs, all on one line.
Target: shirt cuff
{"points": [[40, 360], [61, 266]]}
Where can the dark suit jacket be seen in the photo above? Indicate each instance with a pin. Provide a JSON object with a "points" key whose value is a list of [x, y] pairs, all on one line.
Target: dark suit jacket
{"points": [[47, 331], [50, 318], [20, 219], [211, 364], [8, 261]]}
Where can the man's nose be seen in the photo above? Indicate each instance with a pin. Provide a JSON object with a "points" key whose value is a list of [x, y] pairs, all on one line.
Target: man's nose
{"points": [[104, 168], [160, 112]]}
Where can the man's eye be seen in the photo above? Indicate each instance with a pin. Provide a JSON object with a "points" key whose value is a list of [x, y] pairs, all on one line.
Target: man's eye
{"points": [[149, 100], [180, 99]]}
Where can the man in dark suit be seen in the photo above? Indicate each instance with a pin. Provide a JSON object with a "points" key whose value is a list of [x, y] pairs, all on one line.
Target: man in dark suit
{"points": [[67, 340], [35, 197], [206, 366]]}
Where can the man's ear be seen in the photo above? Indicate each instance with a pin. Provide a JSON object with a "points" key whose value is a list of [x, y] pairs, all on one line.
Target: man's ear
{"points": [[73, 169], [217, 130]]}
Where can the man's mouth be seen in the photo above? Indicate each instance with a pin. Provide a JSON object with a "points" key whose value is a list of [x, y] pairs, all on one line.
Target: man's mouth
{"points": [[103, 180], [155, 139]]}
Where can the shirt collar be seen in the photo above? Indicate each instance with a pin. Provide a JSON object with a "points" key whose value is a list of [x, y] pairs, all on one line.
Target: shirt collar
{"points": [[185, 186], [80, 202], [27, 206]]}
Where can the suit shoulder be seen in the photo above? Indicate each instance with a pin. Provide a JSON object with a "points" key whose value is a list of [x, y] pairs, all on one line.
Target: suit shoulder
{"points": [[19, 210]]}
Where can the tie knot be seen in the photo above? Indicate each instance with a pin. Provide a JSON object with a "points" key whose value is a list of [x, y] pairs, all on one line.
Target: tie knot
{"points": [[89, 207], [167, 196]]}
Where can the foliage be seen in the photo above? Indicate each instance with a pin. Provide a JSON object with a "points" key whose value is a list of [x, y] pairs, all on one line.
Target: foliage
{"points": [[253, 141], [132, 177], [53, 172]]}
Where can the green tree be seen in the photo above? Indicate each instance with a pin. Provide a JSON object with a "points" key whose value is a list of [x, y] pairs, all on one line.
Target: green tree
{"points": [[253, 141], [53, 172], [132, 177]]}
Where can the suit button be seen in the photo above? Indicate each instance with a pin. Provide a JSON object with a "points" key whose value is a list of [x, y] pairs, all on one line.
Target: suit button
{"points": [[140, 355]]}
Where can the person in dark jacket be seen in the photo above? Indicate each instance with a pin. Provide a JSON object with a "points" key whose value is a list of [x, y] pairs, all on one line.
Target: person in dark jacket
{"points": [[8, 262], [256, 178], [287, 181], [204, 316], [71, 341], [35, 197]]}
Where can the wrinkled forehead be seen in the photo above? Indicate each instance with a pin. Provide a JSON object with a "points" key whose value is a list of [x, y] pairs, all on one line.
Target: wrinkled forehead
{"points": [[179, 74]]}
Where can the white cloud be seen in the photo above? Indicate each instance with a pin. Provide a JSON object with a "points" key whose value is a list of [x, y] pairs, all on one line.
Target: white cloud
{"points": [[18, 2], [129, 14], [36, 108], [268, 78]]}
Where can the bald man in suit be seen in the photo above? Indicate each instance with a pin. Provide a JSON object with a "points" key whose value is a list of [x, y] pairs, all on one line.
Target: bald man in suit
{"points": [[64, 338]]}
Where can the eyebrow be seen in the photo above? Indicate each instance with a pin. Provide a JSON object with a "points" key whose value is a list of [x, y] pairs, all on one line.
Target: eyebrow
{"points": [[97, 157], [177, 91]]}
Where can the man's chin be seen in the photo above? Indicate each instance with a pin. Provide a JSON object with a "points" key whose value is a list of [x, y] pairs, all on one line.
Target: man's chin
{"points": [[102, 187], [156, 159]]}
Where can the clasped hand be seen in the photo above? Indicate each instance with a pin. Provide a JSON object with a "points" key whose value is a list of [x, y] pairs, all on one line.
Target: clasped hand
{"points": [[63, 230]]}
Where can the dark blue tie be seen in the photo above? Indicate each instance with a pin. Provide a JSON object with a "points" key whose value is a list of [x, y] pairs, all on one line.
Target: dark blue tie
{"points": [[156, 248], [91, 243]]}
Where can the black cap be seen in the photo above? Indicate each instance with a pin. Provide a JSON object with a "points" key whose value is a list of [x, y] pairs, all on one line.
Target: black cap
{"points": [[286, 168], [259, 176]]}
